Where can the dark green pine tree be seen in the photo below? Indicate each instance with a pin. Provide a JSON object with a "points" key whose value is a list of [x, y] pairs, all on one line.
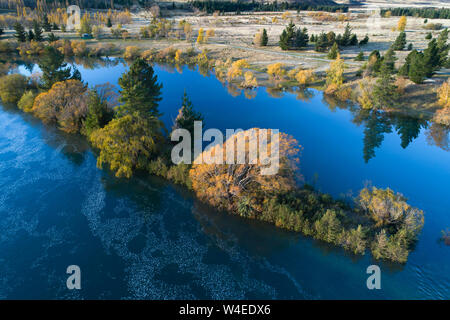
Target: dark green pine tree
{"points": [[139, 90], [415, 67], [45, 24], [389, 60], [53, 68], [431, 58], [20, 33], [301, 38], [443, 47], [109, 23], [187, 115], [37, 31], [353, 40], [400, 42], [52, 37], [384, 91], [364, 41], [360, 56], [264, 38], [99, 114], [321, 43], [346, 37], [30, 35], [287, 37], [334, 51]]}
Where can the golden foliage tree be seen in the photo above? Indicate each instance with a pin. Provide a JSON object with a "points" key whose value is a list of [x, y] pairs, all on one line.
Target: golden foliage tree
{"points": [[401, 23], [249, 80], [335, 75], [226, 185], [444, 94], [389, 208], [305, 77], [65, 104], [127, 143], [276, 71], [201, 36], [365, 99], [12, 87], [236, 69]]}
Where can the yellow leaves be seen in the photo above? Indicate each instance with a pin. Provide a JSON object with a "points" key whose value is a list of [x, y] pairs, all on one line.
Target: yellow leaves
{"points": [[401, 23], [388, 208], [26, 101], [365, 99], [305, 77], [178, 58], [126, 143], [286, 15], [131, 52], [236, 69], [276, 71], [79, 47], [443, 94], [249, 80], [12, 87], [442, 116], [65, 103], [335, 75], [201, 36], [224, 185]]}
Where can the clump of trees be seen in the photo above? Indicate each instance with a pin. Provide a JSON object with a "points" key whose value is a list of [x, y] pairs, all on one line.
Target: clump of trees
{"points": [[65, 104], [12, 87], [231, 6], [293, 38], [430, 13], [421, 65], [324, 41], [398, 222]]}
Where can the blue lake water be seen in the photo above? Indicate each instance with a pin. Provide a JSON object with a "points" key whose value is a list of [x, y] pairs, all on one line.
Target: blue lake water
{"points": [[148, 239]]}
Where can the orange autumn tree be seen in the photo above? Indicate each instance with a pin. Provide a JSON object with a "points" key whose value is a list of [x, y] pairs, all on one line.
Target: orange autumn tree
{"points": [[241, 188], [64, 104]]}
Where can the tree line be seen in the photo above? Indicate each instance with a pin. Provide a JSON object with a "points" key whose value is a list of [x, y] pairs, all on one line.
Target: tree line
{"points": [[428, 13], [239, 6], [296, 38]]}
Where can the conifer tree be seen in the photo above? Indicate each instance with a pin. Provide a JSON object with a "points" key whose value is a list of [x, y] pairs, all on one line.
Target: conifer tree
{"points": [[45, 24], [139, 90], [360, 56], [400, 42], [264, 38], [384, 91], [30, 35], [20, 33], [334, 51], [37, 31]]}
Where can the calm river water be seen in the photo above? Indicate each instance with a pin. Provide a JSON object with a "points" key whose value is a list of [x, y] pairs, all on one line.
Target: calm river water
{"points": [[145, 238]]}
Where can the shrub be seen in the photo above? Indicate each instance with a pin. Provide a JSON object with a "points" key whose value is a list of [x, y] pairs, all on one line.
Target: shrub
{"points": [[64, 104], [12, 87], [131, 52], [26, 102]]}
